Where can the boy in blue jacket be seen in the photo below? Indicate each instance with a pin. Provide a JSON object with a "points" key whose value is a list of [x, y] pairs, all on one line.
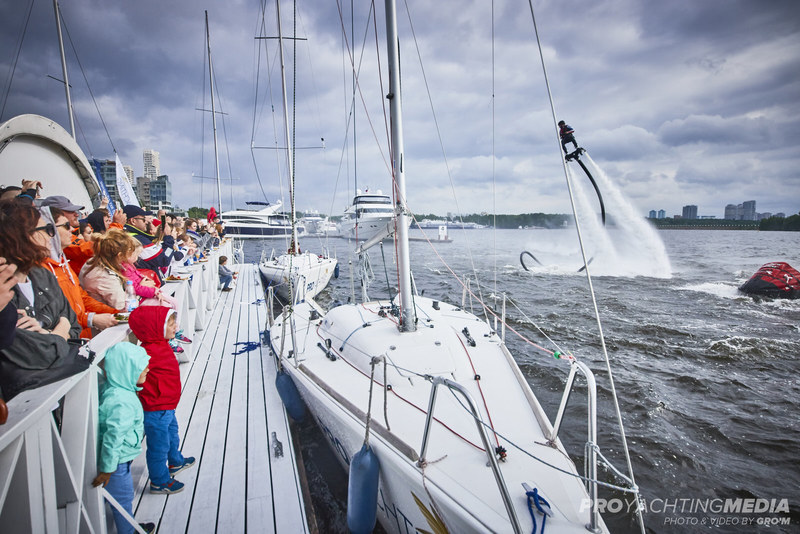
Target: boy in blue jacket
{"points": [[121, 427]]}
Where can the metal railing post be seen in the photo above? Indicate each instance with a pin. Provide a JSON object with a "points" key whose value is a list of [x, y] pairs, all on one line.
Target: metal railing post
{"points": [[503, 321], [498, 475], [590, 456]]}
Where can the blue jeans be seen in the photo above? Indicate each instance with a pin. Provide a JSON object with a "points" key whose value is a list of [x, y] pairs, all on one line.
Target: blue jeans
{"points": [[225, 280], [120, 486], [161, 431]]}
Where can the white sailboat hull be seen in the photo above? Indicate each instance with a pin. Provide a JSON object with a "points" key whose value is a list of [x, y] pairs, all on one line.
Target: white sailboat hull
{"points": [[310, 274], [457, 484]]}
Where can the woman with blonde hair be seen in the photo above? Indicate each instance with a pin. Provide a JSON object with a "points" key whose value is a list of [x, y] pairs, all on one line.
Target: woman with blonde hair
{"points": [[102, 276]]}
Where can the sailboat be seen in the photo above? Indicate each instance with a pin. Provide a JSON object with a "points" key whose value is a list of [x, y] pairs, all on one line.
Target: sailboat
{"points": [[295, 275], [435, 397]]}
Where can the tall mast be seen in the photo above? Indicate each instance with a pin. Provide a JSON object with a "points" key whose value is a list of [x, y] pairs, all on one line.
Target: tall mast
{"points": [[64, 69], [395, 107], [213, 117], [289, 162]]}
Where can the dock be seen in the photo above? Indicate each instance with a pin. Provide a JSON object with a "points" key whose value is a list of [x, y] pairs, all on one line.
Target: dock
{"points": [[246, 476]]}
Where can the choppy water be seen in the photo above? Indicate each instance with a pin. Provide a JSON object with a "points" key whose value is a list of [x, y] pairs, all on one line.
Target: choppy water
{"points": [[707, 378]]}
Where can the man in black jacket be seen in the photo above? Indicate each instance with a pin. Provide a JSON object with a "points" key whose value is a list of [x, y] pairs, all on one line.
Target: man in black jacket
{"points": [[155, 256], [567, 135]]}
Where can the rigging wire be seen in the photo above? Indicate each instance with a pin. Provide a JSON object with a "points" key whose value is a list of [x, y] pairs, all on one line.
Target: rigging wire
{"points": [[85, 79], [494, 160], [268, 90], [588, 275], [13, 67], [441, 140]]}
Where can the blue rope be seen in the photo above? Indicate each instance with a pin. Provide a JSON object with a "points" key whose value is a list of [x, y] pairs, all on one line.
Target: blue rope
{"points": [[538, 501]]}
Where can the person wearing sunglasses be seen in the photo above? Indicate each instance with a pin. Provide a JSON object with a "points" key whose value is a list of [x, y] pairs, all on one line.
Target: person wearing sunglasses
{"points": [[45, 319], [91, 313]]}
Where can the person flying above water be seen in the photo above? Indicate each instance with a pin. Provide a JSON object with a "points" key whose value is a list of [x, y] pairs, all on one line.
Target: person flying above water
{"points": [[567, 135]]}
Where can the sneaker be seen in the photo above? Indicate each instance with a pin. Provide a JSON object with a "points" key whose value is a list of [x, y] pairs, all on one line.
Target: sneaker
{"points": [[173, 486], [228, 289], [149, 528], [188, 461], [177, 349], [183, 339]]}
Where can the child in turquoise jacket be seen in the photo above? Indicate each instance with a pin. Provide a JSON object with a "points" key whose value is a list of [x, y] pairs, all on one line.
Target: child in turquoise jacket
{"points": [[121, 426]]}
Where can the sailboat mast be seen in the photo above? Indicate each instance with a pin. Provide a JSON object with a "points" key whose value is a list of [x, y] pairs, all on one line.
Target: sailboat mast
{"points": [[395, 108], [289, 162], [213, 117], [64, 69]]}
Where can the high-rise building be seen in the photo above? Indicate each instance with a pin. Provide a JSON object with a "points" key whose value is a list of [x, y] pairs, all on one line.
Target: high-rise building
{"points": [[160, 194], [746, 211], [143, 190], [749, 210], [129, 173], [152, 164], [652, 214], [690, 212], [662, 214]]}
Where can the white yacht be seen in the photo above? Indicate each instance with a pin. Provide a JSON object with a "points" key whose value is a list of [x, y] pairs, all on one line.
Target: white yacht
{"points": [[258, 223], [366, 215], [315, 224]]}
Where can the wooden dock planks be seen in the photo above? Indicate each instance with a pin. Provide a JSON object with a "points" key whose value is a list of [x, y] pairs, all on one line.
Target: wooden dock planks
{"points": [[228, 411]]}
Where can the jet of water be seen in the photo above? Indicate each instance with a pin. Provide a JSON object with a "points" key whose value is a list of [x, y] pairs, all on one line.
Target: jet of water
{"points": [[626, 246]]}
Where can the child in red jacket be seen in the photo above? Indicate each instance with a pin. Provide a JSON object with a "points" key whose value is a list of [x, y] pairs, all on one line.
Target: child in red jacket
{"points": [[154, 326]]}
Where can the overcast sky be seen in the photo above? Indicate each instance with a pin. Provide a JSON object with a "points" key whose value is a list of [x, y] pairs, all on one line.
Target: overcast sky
{"points": [[680, 102]]}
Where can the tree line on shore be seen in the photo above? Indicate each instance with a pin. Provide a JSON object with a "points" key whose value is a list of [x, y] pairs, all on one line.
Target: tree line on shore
{"points": [[560, 220]]}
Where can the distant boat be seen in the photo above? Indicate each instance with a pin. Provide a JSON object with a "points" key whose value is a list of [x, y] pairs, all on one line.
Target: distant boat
{"points": [[258, 223], [366, 215], [461, 225], [315, 224]]}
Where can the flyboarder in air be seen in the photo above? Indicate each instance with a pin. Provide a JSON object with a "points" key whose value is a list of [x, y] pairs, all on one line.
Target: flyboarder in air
{"points": [[567, 135]]}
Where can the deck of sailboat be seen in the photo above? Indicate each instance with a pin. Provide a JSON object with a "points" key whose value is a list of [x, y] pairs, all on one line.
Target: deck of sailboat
{"points": [[229, 417]]}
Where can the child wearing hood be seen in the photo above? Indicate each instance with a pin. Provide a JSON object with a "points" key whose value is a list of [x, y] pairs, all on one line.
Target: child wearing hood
{"points": [[121, 427], [154, 326]]}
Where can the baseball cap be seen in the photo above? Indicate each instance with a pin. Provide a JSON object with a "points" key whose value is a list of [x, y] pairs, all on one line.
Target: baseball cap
{"points": [[60, 202], [132, 210]]}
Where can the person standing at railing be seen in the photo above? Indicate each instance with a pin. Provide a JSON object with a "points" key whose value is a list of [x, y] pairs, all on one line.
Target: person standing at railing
{"points": [[90, 312], [102, 276], [121, 427], [45, 319], [155, 326]]}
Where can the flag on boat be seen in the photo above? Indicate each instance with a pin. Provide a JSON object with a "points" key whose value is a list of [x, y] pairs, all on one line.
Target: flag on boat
{"points": [[124, 187]]}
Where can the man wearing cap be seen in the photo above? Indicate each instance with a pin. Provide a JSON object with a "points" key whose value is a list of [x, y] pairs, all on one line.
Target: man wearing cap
{"points": [[71, 211], [76, 248], [155, 256]]}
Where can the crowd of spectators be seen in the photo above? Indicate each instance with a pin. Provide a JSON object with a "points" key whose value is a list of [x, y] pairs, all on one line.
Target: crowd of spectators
{"points": [[64, 272]]}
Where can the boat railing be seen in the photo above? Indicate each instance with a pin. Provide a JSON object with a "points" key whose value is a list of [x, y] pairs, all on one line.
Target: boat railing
{"points": [[590, 458], [490, 454], [48, 445]]}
